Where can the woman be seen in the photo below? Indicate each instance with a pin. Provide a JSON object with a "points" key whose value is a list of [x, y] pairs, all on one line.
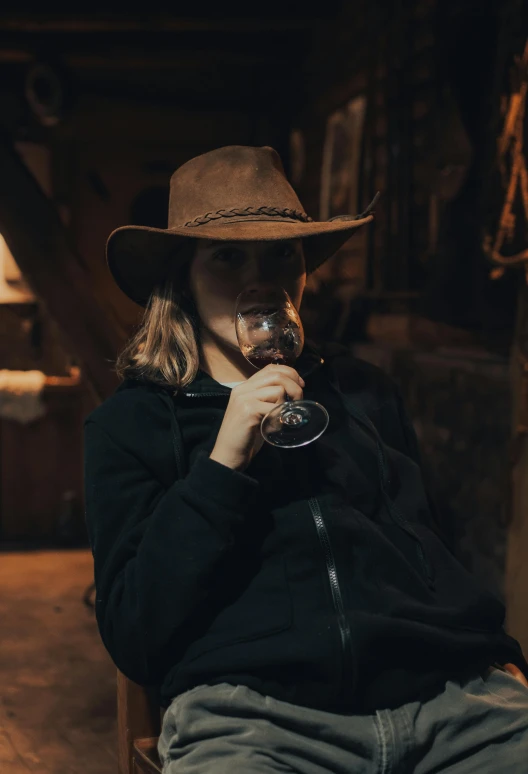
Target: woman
{"points": [[299, 609]]}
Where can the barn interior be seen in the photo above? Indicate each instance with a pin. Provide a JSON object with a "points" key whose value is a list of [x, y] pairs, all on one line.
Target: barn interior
{"points": [[423, 101]]}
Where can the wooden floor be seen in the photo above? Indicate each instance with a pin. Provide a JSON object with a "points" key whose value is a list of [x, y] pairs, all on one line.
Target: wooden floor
{"points": [[57, 684]]}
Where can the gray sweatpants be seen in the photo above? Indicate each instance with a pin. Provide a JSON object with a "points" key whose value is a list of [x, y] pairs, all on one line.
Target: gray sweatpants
{"points": [[477, 724]]}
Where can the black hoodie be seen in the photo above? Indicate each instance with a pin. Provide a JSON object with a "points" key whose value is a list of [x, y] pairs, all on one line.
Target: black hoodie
{"points": [[320, 576]]}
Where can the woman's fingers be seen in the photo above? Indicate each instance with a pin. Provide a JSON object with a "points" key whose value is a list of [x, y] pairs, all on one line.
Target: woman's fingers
{"points": [[516, 672], [239, 437], [271, 372], [278, 393]]}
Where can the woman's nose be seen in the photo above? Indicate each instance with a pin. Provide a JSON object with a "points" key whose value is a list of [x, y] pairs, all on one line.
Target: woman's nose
{"points": [[261, 275], [259, 286]]}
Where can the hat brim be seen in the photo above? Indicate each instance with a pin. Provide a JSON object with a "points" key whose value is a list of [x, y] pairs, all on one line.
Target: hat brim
{"points": [[138, 256]]}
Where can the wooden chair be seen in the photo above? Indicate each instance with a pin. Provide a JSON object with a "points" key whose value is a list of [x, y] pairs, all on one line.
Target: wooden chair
{"points": [[139, 719]]}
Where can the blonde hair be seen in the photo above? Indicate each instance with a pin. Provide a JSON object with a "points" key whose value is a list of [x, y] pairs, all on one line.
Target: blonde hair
{"points": [[166, 348]]}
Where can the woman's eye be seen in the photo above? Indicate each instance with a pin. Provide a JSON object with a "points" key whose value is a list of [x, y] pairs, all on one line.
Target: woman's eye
{"points": [[285, 251], [227, 256]]}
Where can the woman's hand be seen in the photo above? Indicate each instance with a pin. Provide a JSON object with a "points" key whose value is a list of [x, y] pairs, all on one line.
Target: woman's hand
{"points": [[516, 672], [239, 437]]}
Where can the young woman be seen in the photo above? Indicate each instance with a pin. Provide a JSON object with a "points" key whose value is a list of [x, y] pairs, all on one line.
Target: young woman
{"points": [[299, 609]]}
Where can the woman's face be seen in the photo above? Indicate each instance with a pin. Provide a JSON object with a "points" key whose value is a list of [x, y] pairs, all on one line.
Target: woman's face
{"points": [[219, 271]]}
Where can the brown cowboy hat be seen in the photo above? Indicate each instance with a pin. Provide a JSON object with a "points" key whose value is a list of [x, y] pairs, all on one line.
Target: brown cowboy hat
{"points": [[232, 193]]}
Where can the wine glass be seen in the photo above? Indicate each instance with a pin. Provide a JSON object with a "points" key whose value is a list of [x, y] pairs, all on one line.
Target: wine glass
{"points": [[269, 330]]}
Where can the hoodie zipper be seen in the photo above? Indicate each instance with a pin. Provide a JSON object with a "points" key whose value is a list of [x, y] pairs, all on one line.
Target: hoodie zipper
{"points": [[206, 394], [337, 597], [227, 393], [344, 629]]}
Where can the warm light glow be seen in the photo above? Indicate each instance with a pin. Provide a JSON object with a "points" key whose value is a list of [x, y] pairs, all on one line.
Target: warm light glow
{"points": [[13, 287]]}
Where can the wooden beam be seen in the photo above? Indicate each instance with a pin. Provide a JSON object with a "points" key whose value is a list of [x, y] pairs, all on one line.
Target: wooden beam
{"points": [[40, 244], [188, 62], [128, 57], [184, 63], [16, 56], [52, 23], [163, 61]]}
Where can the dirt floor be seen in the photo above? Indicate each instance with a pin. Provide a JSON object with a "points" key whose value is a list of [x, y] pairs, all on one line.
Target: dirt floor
{"points": [[57, 684]]}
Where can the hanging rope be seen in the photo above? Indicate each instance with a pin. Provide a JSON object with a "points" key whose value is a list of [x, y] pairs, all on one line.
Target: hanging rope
{"points": [[511, 143]]}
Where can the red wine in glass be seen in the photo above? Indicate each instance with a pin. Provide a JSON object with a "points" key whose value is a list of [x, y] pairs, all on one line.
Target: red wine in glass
{"points": [[261, 359], [269, 331]]}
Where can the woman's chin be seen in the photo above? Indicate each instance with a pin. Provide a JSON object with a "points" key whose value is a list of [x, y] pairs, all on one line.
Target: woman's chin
{"points": [[228, 345]]}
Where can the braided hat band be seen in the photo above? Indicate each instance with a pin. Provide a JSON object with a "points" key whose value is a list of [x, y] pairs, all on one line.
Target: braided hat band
{"points": [[273, 212]]}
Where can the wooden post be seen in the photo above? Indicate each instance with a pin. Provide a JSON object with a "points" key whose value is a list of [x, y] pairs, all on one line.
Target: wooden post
{"points": [[41, 247]]}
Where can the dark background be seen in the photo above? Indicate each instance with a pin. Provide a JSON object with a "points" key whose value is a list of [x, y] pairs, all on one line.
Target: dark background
{"points": [[99, 104], [114, 101]]}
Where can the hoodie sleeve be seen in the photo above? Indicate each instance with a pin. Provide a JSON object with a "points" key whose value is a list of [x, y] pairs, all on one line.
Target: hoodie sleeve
{"points": [[157, 551], [508, 648], [398, 431]]}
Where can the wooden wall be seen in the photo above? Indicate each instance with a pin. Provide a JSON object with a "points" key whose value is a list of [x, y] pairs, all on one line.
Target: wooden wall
{"points": [[110, 152], [385, 52], [40, 462], [427, 70], [103, 156]]}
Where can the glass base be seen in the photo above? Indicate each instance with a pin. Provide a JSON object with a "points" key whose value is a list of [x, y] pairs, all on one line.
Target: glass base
{"points": [[294, 423]]}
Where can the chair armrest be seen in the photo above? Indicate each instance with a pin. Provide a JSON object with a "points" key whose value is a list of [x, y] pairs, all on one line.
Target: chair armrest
{"points": [[138, 717], [145, 756]]}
